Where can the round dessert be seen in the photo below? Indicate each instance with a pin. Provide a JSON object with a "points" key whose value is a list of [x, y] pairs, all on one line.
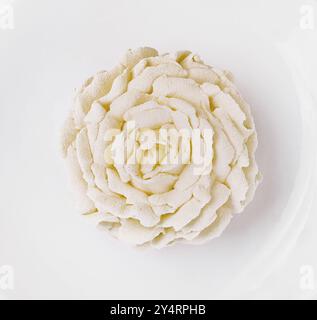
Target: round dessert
{"points": [[161, 149]]}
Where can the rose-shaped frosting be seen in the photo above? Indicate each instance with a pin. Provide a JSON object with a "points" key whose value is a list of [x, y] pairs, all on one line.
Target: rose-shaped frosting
{"points": [[161, 149]]}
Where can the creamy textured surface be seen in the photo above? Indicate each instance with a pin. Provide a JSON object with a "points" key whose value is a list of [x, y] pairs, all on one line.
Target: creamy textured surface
{"points": [[161, 204]]}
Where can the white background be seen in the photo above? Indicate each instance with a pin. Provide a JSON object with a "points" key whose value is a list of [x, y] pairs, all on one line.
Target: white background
{"points": [[55, 253]]}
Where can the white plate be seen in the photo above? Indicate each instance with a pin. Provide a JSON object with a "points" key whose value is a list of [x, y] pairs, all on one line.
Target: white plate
{"points": [[53, 47]]}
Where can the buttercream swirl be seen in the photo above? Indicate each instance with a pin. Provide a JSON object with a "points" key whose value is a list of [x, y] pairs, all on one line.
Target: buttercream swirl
{"points": [[153, 200]]}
